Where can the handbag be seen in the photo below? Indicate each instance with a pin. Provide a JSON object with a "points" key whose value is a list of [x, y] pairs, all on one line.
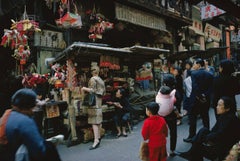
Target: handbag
{"points": [[144, 151], [89, 99], [92, 99]]}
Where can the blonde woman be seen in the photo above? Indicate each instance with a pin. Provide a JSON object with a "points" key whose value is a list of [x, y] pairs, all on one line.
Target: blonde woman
{"points": [[95, 85]]}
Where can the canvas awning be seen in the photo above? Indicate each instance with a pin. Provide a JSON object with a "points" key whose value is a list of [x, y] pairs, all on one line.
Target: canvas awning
{"points": [[204, 54], [99, 49]]}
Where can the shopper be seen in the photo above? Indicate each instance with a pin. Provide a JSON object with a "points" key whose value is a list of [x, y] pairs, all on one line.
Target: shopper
{"points": [[166, 99], [122, 112], [155, 131], [199, 98], [177, 73], [187, 86], [225, 84], [18, 128], [38, 109], [97, 86], [219, 140]]}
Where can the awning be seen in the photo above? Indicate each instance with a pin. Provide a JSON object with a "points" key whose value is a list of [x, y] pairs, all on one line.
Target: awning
{"points": [[88, 48], [148, 50], [99, 49], [182, 55], [204, 54], [213, 51]]}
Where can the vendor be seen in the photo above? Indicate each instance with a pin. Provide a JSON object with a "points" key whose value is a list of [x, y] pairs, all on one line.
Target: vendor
{"points": [[122, 113], [144, 74]]}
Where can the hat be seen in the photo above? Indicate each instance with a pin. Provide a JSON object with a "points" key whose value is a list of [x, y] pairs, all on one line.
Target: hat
{"points": [[24, 98]]}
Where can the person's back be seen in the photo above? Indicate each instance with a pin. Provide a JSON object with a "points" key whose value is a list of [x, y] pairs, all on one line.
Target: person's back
{"points": [[18, 128], [18, 134], [165, 98], [155, 131], [201, 82]]}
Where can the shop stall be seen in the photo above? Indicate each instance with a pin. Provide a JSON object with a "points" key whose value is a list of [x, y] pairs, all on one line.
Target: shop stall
{"points": [[119, 67]]}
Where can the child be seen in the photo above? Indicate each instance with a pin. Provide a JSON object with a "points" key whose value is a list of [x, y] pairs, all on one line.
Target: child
{"points": [[38, 109], [155, 131]]}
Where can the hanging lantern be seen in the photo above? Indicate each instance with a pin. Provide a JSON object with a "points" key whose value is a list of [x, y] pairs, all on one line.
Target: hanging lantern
{"points": [[23, 61], [59, 84]]}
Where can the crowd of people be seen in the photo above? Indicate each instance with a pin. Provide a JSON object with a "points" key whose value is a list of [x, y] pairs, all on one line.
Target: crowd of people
{"points": [[198, 88], [187, 91]]}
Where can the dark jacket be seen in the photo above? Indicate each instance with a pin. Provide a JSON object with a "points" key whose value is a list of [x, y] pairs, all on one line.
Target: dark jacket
{"points": [[225, 133], [126, 105], [224, 86], [201, 84]]}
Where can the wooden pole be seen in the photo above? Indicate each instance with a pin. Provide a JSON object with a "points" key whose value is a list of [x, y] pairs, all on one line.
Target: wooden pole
{"points": [[72, 118]]}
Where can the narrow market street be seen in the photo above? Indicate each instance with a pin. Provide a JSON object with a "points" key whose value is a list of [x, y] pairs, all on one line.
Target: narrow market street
{"points": [[124, 148]]}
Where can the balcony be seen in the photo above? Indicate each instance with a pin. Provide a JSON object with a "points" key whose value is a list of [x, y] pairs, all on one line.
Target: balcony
{"points": [[180, 12]]}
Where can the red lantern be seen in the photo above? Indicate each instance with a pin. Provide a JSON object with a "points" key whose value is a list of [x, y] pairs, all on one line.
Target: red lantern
{"points": [[22, 61], [59, 84]]}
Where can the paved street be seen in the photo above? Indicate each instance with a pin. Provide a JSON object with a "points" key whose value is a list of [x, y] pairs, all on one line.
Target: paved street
{"points": [[122, 149]]}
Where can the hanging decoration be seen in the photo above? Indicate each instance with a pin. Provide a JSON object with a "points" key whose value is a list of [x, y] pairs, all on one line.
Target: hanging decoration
{"points": [[16, 38], [99, 25], [34, 79], [110, 62], [68, 20], [71, 75]]}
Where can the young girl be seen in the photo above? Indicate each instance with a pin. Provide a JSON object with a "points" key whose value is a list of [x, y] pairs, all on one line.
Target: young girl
{"points": [[155, 131]]}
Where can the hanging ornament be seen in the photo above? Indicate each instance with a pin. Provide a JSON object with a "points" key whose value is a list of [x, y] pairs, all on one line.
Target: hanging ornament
{"points": [[99, 25], [69, 20]]}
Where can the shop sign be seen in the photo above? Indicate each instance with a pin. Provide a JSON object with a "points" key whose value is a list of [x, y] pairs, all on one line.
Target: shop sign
{"points": [[129, 14], [210, 11], [48, 38], [197, 27], [235, 37], [212, 32]]}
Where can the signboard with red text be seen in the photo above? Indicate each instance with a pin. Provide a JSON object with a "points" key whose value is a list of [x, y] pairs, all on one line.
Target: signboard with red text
{"points": [[212, 32], [210, 11]]}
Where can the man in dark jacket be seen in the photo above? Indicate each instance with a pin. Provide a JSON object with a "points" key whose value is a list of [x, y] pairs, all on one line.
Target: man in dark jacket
{"points": [[215, 144], [199, 98]]}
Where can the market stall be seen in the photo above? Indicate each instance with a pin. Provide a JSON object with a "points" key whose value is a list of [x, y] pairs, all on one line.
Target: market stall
{"points": [[118, 67]]}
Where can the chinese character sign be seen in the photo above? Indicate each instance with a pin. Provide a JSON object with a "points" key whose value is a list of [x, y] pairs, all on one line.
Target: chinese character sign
{"points": [[212, 32], [210, 11]]}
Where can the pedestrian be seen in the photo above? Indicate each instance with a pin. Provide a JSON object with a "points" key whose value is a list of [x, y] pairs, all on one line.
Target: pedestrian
{"points": [[187, 86], [166, 99], [225, 84], [18, 128], [122, 112], [97, 86], [155, 131], [199, 98], [209, 68], [38, 109], [177, 73], [216, 143]]}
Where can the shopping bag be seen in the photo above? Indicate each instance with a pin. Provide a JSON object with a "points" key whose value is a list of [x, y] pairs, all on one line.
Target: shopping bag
{"points": [[144, 151]]}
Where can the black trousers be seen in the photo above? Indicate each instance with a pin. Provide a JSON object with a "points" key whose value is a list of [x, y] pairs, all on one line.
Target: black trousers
{"points": [[199, 150], [171, 121], [201, 109]]}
